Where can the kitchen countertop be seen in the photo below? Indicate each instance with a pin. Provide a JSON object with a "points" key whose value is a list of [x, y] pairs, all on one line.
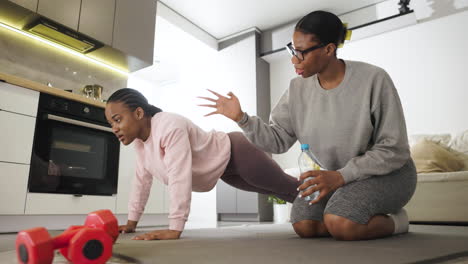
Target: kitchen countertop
{"points": [[28, 84]]}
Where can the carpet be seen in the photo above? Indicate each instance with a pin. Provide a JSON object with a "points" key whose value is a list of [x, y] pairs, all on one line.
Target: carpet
{"points": [[279, 244]]}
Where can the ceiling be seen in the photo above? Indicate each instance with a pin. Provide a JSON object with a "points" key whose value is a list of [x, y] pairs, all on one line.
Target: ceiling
{"points": [[222, 18]]}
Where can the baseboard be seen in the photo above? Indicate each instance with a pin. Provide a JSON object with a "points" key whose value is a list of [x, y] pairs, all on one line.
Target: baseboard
{"points": [[15, 223], [239, 217]]}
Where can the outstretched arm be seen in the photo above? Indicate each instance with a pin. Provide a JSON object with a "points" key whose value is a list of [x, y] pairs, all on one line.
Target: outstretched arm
{"points": [[276, 137]]}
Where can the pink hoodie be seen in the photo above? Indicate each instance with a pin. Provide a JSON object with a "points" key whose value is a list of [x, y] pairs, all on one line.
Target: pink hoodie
{"points": [[182, 156]]}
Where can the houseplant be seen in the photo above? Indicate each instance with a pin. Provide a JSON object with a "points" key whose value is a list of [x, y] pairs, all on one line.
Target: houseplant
{"points": [[280, 210]]}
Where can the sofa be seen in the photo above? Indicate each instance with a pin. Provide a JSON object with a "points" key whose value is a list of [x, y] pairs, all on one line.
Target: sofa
{"points": [[441, 195]]}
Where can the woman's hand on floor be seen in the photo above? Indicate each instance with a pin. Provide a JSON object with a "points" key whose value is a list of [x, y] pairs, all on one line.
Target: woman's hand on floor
{"points": [[326, 182], [159, 235], [126, 229], [129, 227], [227, 106]]}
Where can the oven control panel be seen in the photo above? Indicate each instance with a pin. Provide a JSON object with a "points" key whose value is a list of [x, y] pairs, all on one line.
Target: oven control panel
{"points": [[70, 108]]}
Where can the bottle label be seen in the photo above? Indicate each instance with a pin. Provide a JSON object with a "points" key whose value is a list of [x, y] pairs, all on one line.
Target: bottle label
{"points": [[308, 165]]}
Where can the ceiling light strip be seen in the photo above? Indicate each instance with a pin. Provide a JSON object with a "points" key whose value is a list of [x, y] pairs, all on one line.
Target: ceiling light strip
{"points": [[50, 43]]}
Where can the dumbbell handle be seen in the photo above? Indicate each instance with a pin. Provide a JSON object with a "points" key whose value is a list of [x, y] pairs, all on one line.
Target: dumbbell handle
{"points": [[63, 239]]}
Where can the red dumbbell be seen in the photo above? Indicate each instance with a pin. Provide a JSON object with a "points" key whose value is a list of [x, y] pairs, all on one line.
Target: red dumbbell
{"points": [[91, 243], [105, 220], [102, 219]]}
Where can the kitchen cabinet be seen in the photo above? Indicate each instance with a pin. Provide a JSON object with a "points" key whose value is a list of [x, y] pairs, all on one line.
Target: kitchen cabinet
{"points": [[134, 28], [247, 202], [234, 201], [16, 137], [126, 25], [65, 12], [226, 198], [18, 99], [157, 201], [14, 182], [18, 108], [57, 204], [97, 19], [29, 4]]}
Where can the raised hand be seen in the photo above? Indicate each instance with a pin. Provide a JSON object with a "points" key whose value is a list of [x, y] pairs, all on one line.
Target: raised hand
{"points": [[227, 106]]}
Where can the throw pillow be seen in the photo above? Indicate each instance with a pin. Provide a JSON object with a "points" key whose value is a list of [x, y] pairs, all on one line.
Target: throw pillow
{"points": [[429, 156], [442, 139]]}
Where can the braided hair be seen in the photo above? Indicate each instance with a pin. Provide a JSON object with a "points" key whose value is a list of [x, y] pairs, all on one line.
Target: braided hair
{"points": [[133, 99]]}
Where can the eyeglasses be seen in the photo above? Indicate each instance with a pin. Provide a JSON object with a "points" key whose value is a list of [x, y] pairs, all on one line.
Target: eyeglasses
{"points": [[301, 53]]}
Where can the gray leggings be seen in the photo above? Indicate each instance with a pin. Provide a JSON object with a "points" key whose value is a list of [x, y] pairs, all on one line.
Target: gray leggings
{"points": [[251, 169], [360, 200]]}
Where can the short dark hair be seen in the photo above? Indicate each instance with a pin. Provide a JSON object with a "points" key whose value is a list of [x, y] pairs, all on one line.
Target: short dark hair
{"points": [[326, 27], [133, 99]]}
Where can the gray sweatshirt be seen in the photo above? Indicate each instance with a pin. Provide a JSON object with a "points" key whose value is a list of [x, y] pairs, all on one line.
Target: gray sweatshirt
{"points": [[356, 128]]}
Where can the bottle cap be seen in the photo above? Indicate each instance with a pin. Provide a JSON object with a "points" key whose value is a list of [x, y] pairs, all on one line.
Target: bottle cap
{"points": [[304, 146]]}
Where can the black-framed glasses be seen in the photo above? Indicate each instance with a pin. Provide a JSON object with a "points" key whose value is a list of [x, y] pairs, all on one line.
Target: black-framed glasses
{"points": [[301, 53]]}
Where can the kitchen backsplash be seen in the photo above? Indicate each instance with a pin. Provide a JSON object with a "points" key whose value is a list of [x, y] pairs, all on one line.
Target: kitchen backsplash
{"points": [[32, 60]]}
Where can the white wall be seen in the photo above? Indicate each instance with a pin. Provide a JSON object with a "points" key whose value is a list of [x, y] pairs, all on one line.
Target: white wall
{"points": [[427, 63], [199, 68]]}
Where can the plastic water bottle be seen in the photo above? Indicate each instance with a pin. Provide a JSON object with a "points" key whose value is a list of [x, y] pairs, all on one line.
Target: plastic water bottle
{"points": [[306, 163]]}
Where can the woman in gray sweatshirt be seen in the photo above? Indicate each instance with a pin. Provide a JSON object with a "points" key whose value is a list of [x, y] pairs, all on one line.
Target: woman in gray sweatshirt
{"points": [[350, 114]]}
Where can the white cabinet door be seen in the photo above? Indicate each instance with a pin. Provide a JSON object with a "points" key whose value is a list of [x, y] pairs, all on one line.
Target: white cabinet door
{"points": [[155, 203], [18, 99], [65, 12], [247, 202], [234, 201], [97, 19], [134, 27], [48, 204], [226, 198], [16, 137], [14, 182], [127, 161], [29, 4]]}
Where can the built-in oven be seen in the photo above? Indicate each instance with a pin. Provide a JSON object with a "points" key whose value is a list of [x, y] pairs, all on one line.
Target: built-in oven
{"points": [[74, 150]]}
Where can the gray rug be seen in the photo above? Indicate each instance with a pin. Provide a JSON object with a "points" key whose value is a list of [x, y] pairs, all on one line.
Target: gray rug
{"points": [[278, 244]]}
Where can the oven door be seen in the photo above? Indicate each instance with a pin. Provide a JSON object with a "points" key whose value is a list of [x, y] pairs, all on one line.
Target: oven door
{"points": [[73, 157]]}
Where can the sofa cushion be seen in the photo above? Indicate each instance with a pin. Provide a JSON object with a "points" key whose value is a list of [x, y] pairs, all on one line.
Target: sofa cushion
{"points": [[454, 176], [429, 156]]}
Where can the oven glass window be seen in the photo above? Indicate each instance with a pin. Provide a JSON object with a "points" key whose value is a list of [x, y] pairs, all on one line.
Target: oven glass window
{"points": [[75, 153], [73, 159]]}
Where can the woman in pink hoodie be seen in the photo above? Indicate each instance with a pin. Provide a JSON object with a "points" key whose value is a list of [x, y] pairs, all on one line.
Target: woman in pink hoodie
{"points": [[174, 150]]}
